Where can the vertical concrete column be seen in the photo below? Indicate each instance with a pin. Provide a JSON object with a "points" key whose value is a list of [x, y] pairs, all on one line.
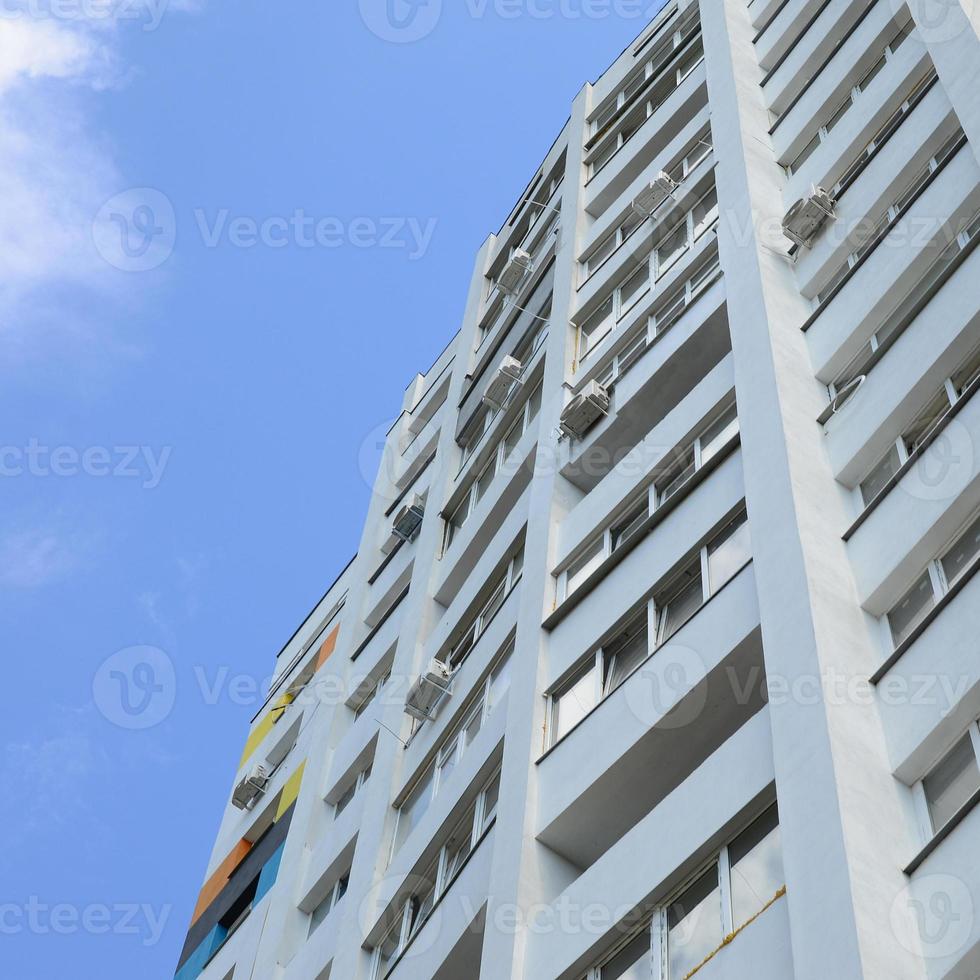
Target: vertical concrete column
{"points": [[951, 32], [845, 816], [416, 615], [522, 871]]}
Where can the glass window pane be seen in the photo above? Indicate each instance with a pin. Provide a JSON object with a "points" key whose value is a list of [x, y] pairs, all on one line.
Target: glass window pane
{"points": [[967, 374], [344, 800], [728, 556], [871, 73], [633, 962], [484, 480], [625, 653], [534, 404], [490, 796], [472, 727], [493, 604], [911, 609], [877, 479], [757, 867], [388, 948], [678, 476], [583, 567], [636, 284], [681, 603], [632, 353], [628, 526], [671, 249], [458, 847], [952, 783], [500, 681], [718, 434], [959, 558], [605, 249], [805, 153], [606, 152], [421, 903], [926, 421], [705, 212], [595, 327], [694, 926], [575, 703], [447, 761], [414, 808]]}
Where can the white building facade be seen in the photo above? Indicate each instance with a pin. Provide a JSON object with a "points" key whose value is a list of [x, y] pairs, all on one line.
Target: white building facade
{"points": [[659, 656]]}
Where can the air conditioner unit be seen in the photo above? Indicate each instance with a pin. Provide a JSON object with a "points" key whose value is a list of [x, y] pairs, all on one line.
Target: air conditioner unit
{"points": [[408, 520], [805, 218], [513, 273], [654, 194], [584, 410], [502, 381], [426, 693], [250, 788]]}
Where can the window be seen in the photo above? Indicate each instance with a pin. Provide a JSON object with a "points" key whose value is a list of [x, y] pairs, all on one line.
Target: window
{"points": [[961, 384], [641, 278], [880, 228], [841, 109], [679, 171], [438, 877], [454, 746], [880, 138], [741, 882], [329, 903], [958, 560], [952, 782], [669, 609], [666, 313], [499, 591], [351, 791], [376, 688], [901, 317], [493, 466], [716, 436], [717, 563], [656, 80]]}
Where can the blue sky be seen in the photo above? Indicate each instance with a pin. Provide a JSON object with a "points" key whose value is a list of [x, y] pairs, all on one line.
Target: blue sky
{"points": [[184, 417]]}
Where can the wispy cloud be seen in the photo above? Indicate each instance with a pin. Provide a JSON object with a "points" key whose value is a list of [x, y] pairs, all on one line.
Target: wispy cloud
{"points": [[58, 168], [33, 557]]}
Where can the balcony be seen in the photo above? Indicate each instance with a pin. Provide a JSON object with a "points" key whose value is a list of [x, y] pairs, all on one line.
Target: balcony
{"points": [[664, 375], [932, 692], [622, 483], [804, 62], [856, 127], [694, 817], [783, 30], [920, 515], [912, 369], [648, 142], [886, 177], [845, 321], [687, 699]]}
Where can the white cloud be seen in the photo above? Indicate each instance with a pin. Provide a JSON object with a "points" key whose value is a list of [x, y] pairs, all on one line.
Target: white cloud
{"points": [[58, 170], [31, 558]]}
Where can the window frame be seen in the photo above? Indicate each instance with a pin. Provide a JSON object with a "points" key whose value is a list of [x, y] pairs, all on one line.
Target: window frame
{"points": [[407, 925], [927, 827], [656, 925]]}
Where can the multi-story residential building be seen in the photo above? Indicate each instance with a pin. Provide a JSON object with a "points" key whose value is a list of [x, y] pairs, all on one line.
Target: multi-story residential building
{"points": [[670, 557]]}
